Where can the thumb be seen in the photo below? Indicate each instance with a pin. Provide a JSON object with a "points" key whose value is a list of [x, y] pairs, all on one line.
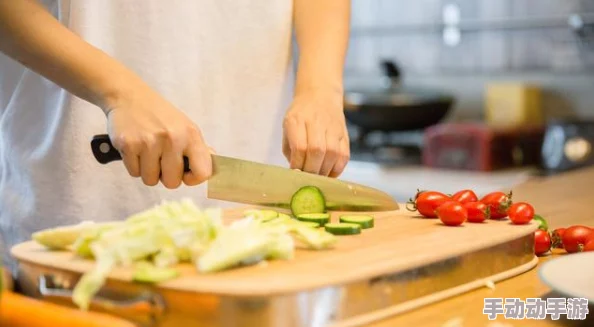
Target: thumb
{"points": [[286, 148]]}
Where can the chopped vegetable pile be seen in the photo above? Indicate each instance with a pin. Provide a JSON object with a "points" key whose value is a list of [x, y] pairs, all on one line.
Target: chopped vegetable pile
{"points": [[153, 241]]}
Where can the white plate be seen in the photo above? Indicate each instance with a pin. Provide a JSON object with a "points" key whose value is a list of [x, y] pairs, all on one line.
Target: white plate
{"points": [[571, 275]]}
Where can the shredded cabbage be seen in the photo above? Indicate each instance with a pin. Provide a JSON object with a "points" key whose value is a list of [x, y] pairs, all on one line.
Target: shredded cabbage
{"points": [[173, 232], [61, 238]]}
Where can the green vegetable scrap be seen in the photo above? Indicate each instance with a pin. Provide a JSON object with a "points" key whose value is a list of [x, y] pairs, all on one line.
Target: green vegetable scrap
{"points": [[542, 223]]}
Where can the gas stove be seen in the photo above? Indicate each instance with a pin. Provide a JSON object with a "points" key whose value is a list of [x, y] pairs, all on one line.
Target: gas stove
{"points": [[386, 148]]}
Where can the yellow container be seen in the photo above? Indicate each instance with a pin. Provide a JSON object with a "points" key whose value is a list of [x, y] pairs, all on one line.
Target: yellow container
{"points": [[513, 104]]}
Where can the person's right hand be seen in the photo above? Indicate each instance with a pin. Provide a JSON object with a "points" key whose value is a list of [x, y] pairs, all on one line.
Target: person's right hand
{"points": [[153, 136]]}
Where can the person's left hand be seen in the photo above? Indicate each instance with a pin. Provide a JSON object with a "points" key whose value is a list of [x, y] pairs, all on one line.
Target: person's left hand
{"points": [[315, 137]]}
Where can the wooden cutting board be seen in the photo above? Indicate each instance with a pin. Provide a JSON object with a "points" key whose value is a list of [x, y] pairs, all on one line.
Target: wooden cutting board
{"points": [[400, 241]]}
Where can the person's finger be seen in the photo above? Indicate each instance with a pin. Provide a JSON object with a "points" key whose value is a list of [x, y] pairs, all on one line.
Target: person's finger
{"points": [[200, 165], [132, 163], [150, 163], [286, 148], [129, 150], [332, 153], [200, 160], [297, 141], [172, 164], [343, 158], [316, 148]]}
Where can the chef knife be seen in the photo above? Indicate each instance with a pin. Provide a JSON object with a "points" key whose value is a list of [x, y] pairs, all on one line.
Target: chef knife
{"points": [[259, 184]]}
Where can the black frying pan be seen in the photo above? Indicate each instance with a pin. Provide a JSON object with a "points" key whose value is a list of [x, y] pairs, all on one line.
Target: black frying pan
{"points": [[395, 108]]}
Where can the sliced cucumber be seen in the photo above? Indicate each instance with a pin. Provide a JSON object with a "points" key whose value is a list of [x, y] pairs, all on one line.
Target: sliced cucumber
{"points": [[324, 215], [152, 274], [308, 199], [311, 224], [319, 218], [364, 221], [343, 228]]}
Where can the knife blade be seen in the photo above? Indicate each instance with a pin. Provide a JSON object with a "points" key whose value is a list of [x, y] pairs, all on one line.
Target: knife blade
{"points": [[254, 183]]}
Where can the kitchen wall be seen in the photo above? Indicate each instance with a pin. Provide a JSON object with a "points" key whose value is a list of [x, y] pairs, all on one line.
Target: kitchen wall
{"points": [[500, 40]]}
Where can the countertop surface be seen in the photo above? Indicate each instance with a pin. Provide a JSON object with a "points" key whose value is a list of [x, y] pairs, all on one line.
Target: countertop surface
{"points": [[564, 199], [402, 182]]}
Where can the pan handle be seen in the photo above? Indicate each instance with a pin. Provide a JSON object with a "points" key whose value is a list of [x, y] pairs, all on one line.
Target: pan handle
{"points": [[392, 74], [145, 309]]}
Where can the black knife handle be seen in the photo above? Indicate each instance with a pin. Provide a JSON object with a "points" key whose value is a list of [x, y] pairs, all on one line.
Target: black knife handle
{"points": [[105, 152]]}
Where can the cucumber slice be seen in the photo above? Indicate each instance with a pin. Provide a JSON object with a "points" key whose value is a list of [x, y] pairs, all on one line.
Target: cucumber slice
{"points": [[364, 221], [311, 224], [343, 228], [154, 274], [319, 218], [308, 199], [324, 215]]}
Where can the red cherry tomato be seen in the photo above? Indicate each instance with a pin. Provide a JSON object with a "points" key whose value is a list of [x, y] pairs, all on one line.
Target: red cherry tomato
{"points": [[477, 211], [575, 237], [452, 213], [557, 238], [427, 202], [465, 196], [542, 242], [498, 203], [520, 213], [589, 245]]}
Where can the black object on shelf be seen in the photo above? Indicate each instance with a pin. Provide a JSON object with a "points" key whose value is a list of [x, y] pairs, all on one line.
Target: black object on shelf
{"points": [[568, 145]]}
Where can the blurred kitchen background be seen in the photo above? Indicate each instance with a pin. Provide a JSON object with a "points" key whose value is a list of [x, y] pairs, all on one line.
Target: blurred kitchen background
{"points": [[468, 93]]}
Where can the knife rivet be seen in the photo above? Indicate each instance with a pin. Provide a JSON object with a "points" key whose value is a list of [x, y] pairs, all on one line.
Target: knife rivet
{"points": [[104, 147]]}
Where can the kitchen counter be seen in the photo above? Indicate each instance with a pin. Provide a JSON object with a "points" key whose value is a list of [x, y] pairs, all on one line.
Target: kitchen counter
{"points": [[560, 199], [402, 182], [563, 200]]}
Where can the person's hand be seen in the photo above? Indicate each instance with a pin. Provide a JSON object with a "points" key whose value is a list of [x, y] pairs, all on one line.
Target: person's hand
{"points": [[153, 136], [315, 138]]}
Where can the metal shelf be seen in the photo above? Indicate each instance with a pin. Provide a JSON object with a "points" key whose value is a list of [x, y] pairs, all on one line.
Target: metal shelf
{"points": [[478, 25]]}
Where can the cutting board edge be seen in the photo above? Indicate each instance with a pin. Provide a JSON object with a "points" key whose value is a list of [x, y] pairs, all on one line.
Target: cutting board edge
{"points": [[243, 289], [371, 317], [247, 292]]}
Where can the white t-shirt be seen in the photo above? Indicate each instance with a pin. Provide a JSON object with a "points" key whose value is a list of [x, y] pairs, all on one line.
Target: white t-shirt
{"points": [[227, 64]]}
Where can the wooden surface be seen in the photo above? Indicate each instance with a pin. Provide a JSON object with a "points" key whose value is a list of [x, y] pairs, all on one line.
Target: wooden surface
{"points": [[564, 200], [386, 248]]}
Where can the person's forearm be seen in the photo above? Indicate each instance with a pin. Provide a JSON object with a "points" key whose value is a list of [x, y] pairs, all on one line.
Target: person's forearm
{"points": [[322, 31], [32, 36]]}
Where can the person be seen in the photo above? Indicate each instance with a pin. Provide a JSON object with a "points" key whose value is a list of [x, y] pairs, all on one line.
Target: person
{"points": [[165, 79]]}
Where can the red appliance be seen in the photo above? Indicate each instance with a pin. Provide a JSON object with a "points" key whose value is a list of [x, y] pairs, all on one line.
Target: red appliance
{"points": [[477, 146]]}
